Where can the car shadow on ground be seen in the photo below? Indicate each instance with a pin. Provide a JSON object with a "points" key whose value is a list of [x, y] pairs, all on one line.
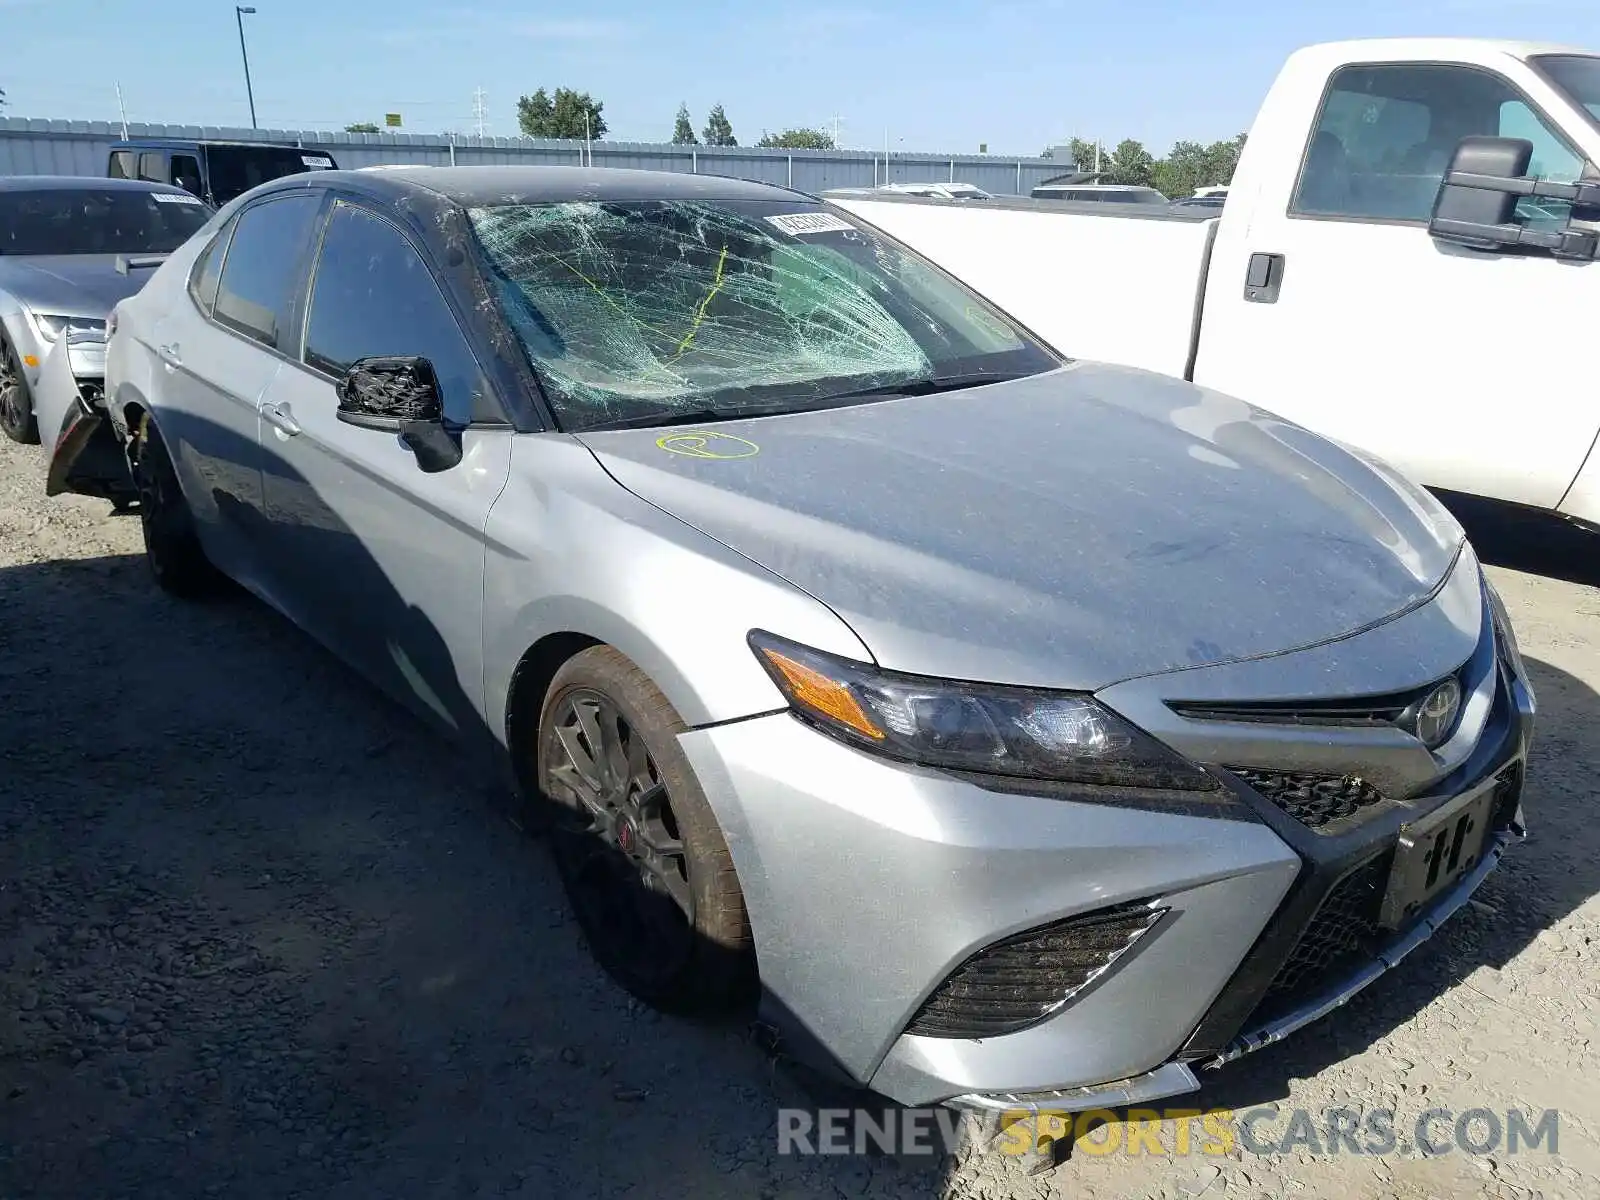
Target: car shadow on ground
{"points": [[265, 934]]}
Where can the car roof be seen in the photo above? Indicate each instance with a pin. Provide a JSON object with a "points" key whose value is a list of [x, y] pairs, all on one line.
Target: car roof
{"points": [[491, 185], [184, 143], [81, 183]]}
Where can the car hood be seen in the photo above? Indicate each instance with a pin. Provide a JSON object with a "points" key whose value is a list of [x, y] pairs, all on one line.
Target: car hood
{"points": [[70, 285], [1069, 530]]}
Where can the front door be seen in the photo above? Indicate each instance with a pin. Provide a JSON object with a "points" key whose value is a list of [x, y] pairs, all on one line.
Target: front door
{"points": [[1452, 364], [383, 562]]}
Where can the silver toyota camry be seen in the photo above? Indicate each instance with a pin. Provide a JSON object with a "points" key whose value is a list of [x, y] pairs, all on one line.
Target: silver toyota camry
{"points": [[1018, 730]]}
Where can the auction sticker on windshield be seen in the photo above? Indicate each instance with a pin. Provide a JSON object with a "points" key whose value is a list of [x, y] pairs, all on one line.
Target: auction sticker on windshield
{"points": [[800, 224], [174, 198]]}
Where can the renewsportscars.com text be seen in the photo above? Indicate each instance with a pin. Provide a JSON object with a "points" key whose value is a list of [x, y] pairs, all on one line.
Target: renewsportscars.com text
{"points": [[1265, 1130]]}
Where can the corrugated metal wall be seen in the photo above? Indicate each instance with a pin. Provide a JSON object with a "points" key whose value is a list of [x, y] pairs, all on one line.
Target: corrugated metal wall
{"points": [[29, 147]]}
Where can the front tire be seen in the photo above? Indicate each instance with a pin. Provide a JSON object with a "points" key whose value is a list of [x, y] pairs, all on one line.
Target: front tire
{"points": [[640, 852], [171, 547], [16, 399]]}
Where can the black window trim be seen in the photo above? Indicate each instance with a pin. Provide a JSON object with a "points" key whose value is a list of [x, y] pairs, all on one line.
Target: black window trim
{"points": [[360, 203], [296, 292], [1322, 105], [224, 234]]}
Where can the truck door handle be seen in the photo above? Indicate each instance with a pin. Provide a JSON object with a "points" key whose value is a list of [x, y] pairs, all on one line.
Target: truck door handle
{"points": [[1263, 276], [169, 355], [280, 418]]}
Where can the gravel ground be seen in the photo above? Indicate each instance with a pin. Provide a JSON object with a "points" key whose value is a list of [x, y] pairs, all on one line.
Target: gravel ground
{"points": [[257, 938]]}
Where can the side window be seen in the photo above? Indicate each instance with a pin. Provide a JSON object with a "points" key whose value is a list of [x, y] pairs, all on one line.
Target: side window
{"points": [[153, 166], [373, 295], [207, 270], [186, 173], [123, 165], [1385, 135], [261, 269]]}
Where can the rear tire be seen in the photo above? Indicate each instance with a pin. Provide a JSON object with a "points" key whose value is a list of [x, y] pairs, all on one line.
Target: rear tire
{"points": [[171, 546], [16, 399], [640, 852]]}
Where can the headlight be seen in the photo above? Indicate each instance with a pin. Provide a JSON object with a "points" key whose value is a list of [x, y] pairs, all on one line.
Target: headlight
{"points": [[972, 727], [51, 327]]}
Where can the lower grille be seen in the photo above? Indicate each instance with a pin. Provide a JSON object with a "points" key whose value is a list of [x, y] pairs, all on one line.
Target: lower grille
{"points": [[1025, 978], [1507, 796], [1340, 931], [92, 391], [1313, 800]]}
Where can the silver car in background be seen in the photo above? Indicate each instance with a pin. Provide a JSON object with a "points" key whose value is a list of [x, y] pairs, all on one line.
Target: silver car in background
{"points": [[70, 248], [1030, 731]]}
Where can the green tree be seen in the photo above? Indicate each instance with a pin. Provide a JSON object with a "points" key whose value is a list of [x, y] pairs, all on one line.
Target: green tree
{"points": [[560, 116], [797, 139], [361, 127], [718, 130], [1130, 163], [1083, 154], [682, 130]]}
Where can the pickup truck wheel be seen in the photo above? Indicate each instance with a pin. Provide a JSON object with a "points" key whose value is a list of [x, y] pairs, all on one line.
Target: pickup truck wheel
{"points": [[171, 547], [643, 860], [16, 399]]}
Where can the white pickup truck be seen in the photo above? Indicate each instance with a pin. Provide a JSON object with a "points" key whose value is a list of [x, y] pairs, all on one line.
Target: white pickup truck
{"points": [[1348, 285]]}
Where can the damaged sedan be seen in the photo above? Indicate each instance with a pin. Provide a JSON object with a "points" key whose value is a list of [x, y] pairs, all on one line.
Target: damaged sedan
{"points": [[70, 248], [1013, 729]]}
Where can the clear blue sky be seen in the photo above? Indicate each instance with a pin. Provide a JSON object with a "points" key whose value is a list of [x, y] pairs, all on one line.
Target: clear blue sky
{"points": [[941, 75]]}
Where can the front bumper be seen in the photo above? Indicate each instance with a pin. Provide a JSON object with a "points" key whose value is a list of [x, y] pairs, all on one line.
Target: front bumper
{"points": [[869, 883]]}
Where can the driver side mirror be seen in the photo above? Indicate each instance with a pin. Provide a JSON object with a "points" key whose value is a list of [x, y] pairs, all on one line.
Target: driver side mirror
{"points": [[1488, 158], [1476, 205], [401, 395]]}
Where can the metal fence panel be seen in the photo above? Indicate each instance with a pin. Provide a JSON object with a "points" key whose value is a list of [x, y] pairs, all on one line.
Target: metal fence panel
{"points": [[36, 147]]}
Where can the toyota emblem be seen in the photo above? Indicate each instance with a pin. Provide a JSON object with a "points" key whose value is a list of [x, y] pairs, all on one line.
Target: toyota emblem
{"points": [[1436, 715]]}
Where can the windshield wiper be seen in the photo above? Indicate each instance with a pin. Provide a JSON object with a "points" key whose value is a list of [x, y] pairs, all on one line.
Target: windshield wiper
{"points": [[928, 385], [687, 416], [703, 413]]}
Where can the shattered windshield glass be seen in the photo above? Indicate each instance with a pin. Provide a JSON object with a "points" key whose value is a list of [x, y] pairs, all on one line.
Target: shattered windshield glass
{"points": [[638, 308]]}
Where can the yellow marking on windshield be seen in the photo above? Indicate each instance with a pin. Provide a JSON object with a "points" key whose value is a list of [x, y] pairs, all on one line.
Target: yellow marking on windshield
{"points": [[700, 313]]}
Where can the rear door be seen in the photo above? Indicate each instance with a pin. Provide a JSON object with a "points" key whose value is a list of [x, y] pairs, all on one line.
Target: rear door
{"points": [[383, 562], [1430, 356], [218, 353]]}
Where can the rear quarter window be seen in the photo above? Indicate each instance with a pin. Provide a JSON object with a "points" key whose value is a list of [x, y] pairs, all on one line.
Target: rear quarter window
{"points": [[263, 266]]}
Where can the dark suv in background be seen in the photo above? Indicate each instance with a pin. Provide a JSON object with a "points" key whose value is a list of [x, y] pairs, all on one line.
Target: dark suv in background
{"points": [[214, 171]]}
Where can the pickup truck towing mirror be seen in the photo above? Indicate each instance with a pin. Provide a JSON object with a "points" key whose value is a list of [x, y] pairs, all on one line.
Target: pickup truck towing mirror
{"points": [[1477, 200]]}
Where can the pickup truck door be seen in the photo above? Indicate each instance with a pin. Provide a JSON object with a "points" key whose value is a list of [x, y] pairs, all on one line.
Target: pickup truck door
{"points": [[1329, 304]]}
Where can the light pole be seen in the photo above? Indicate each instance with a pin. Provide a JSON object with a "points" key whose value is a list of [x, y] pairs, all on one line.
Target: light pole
{"points": [[239, 11]]}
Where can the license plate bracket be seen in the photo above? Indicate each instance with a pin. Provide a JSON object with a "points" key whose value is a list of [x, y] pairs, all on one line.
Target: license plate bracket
{"points": [[1434, 852]]}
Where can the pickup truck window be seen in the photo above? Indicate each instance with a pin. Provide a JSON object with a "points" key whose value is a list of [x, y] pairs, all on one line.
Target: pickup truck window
{"points": [[123, 165], [1386, 133], [1577, 75]]}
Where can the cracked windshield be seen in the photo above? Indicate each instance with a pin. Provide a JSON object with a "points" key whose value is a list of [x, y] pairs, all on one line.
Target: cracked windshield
{"points": [[642, 310]]}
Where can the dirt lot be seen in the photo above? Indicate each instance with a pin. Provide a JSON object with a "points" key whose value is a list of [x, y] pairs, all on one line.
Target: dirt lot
{"points": [[257, 939]]}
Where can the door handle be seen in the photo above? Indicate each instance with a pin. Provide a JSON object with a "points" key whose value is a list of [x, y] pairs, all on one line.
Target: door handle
{"points": [[169, 355], [1263, 276], [280, 418]]}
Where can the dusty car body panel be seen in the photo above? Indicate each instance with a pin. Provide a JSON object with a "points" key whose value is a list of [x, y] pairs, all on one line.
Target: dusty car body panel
{"points": [[1098, 516]]}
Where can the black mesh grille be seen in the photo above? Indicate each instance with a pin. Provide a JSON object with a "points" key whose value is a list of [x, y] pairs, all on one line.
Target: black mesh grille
{"points": [[1313, 800], [1507, 795], [1018, 982], [1341, 930]]}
